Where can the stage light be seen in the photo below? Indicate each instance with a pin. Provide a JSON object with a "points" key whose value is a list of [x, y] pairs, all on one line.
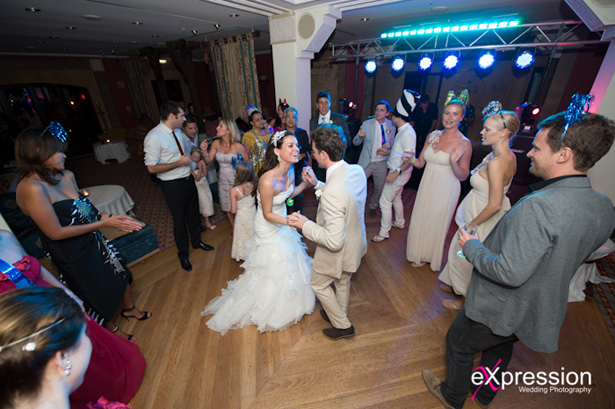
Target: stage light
{"points": [[524, 60], [425, 63], [487, 25], [370, 66], [398, 64], [486, 60], [535, 111], [451, 62]]}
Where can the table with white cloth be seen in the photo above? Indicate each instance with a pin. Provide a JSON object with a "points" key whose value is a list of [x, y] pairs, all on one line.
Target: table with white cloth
{"points": [[110, 199], [111, 150]]}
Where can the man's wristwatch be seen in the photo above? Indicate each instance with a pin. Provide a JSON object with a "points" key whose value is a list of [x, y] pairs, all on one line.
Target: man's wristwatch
{"points": [[398, 170]]}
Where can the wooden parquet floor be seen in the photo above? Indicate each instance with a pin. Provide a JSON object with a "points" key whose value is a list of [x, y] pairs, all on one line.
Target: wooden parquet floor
{"points": [[400, 326]]}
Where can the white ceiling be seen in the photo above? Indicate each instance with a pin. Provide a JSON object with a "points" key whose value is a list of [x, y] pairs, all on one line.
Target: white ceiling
{"points": [[44, 33]]}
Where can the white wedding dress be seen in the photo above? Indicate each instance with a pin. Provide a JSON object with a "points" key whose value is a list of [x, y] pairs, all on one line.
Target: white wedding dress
{"points": [[274, 291]]}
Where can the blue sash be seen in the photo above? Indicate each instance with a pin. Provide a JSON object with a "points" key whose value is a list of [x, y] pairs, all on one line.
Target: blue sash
{"points": [[17, 277]]}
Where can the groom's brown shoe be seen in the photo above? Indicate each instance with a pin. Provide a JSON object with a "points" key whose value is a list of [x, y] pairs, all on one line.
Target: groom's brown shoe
{"points": [[433, 384], [324, 315], [337, 333]]}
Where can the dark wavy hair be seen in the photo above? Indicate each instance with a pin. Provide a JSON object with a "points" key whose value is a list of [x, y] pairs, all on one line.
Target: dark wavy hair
{"points": [[24, 312], [32, 148], [330, 138], [271, 160]]}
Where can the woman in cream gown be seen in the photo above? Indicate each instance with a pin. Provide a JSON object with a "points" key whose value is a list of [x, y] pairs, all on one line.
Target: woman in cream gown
{"points": [[486, 203]]}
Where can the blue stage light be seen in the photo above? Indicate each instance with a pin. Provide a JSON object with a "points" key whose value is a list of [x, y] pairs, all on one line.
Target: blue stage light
{"points": [[398, 64], [370, 66], [451, 62], [524, 60], [425, 63], [486, 60]]}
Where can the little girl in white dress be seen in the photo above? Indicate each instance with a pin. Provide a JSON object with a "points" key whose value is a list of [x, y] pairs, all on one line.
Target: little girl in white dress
{"points": [[243, 205], [206, 200]]}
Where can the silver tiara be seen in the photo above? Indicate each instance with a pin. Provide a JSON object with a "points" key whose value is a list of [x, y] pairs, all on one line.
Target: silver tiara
{"points": [[31, 346], [277, 136]]}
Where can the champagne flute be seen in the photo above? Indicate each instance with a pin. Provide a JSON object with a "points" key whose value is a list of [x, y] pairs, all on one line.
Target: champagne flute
{"points": [[469, 228]]}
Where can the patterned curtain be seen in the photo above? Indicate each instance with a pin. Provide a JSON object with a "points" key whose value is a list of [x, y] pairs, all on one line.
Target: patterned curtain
{"points": [[135, 83], [236, 77]]}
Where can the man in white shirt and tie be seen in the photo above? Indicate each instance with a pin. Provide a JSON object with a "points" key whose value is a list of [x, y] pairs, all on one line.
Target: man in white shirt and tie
{"points": [[165, 155], [325, 116], [376, 135]]}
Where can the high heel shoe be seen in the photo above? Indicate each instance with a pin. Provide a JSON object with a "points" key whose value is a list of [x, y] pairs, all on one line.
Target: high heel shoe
{"points": [[146, 314], [130, 337]]}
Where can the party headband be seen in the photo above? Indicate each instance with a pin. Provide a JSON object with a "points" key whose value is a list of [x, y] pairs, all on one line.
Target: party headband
{"points": [[56, 130], [464, 97], [31, 346], [235, 160], [494, 107], [579, 105]]}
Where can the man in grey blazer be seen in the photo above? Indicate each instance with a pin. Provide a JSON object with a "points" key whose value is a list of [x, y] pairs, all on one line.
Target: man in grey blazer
{"points": [[377, 135], [325, 116], [339, 230], [522, 271]]}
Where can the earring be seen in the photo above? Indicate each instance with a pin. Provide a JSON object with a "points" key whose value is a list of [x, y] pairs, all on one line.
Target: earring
{"points": [[68, 367], [278, 155]]}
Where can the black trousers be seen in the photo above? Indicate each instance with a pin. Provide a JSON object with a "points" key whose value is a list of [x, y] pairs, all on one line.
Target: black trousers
{"points": [[464, 339], [183, 201]]}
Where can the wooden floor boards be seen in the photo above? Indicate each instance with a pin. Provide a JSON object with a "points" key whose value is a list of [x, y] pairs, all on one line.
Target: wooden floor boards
{"points": [[400, 326]]}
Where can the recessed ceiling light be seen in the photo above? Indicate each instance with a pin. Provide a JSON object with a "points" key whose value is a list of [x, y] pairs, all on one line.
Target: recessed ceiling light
{"points": [[70, 28], [365, 19], [40, 42], [439, 9], [92, 17], [137, 23], [33, 10], [233, 15], [194, 32], [135, 42], [162, 61], [54, 37], [155, 35]]}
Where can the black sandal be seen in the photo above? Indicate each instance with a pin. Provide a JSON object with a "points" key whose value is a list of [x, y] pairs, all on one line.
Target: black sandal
{"points": [[146, 314], [131, 337]]}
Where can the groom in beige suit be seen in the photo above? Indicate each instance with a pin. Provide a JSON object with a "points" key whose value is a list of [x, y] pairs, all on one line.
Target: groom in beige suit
{"points": [[339, 230]]}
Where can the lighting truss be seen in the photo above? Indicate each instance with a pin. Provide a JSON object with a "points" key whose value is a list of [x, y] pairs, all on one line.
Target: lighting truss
{"points": [[530, 35]]}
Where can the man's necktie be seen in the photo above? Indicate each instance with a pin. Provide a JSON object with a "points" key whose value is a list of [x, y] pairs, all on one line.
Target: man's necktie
{"points": [[322, 120], [384, 138], [181, 151]]}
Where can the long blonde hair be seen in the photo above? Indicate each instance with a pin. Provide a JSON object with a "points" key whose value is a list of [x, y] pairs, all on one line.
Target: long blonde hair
{"points": [[232, 129]]}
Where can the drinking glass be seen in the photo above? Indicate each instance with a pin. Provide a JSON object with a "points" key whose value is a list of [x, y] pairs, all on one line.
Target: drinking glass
{"points": [[469, 228]]}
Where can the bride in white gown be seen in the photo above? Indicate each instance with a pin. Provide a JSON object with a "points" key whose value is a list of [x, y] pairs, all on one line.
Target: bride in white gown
{"points": [[274, 291]]}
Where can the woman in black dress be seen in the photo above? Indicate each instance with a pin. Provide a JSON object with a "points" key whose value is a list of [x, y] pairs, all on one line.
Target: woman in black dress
{"points": [[68, 222]]}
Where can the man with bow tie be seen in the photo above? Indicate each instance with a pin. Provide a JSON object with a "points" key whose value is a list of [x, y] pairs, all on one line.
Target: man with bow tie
{"points": [[325, 116]]}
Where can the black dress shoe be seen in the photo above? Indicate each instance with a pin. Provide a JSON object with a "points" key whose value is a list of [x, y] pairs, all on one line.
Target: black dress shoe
{"points": [[204, 246], [337, 333], [324, 315], [185, 263]]}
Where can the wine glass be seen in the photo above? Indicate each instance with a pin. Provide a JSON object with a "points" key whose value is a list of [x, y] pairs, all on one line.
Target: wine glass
{"points": [[469, 228]]}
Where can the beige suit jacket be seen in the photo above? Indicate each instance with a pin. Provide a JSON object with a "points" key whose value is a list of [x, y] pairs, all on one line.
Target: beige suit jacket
{"points": [[339, 230]]}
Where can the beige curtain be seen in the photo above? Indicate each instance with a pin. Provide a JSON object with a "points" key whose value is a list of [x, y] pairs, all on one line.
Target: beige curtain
{"points": [[137, 88], [236, 77]]}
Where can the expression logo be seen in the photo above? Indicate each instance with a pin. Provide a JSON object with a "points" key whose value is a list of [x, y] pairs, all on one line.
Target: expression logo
{"points": [[485, 375]]}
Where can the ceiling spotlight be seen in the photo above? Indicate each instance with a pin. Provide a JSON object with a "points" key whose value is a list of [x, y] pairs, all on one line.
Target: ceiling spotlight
{"points": [[70, 28], [155, 36], [137, 23], [33, 10], [162, 61], [425, 63], [194, 32], [370, 66], [217, 26], [398, 64], [54, 37], [524, 60], [486, 60], [365, 19], [451, 61], [233, 15]]}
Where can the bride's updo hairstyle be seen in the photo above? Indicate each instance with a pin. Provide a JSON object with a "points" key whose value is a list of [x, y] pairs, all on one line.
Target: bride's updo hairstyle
{"points": [[271, 160], [37, 322], [33, 147]]}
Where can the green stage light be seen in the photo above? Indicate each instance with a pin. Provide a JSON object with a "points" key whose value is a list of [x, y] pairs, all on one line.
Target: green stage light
{"points": [[465, 27]]}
